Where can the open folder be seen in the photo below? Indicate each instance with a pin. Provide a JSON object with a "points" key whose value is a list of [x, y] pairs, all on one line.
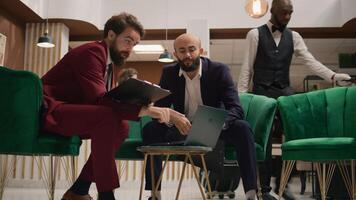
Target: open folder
{"points": [[138, 92]]}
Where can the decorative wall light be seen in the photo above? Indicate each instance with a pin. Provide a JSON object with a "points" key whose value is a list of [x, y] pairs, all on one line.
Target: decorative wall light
{"points": [[256, 8]]}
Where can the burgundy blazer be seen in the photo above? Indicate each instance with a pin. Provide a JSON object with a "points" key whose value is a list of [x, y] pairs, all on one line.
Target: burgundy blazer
{"points": [[78, 78]]}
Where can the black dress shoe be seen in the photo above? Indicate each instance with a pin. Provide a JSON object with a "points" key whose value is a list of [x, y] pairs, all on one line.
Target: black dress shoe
{"points": [[268, 196], [151, 198]]}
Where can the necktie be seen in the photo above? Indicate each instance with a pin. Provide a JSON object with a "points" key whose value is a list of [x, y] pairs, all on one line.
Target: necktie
{"points": [[109, 76], [275, 28]]}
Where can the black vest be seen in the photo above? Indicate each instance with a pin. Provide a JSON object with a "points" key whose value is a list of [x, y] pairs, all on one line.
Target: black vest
{"points": [[272, 62]]}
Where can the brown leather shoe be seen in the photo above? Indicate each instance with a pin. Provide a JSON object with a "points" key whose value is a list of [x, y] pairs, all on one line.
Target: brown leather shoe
{"points": [[69, 195]]}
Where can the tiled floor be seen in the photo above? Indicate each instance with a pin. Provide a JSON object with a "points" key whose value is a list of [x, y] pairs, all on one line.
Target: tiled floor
{"points": [[130, 190]]}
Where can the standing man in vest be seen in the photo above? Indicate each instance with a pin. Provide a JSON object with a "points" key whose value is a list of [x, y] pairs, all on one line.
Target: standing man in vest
{"points": [[269, 53]]}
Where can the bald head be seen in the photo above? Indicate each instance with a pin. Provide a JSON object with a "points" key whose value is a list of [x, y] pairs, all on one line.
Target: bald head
{"points": [[281, 4], [187, 50], [281, 11], [187, 38]]}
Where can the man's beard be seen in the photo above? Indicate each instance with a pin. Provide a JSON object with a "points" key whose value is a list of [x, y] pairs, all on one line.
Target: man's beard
{"points": [[280, 25], [190, 68], [116, 56]]}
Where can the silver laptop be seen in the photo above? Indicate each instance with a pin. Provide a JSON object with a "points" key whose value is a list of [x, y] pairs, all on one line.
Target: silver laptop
{"points": [[206, 128]]}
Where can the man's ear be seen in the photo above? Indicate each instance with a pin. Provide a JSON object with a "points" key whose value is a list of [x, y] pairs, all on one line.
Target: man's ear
{"points": [[201, 51], [111, 35]]}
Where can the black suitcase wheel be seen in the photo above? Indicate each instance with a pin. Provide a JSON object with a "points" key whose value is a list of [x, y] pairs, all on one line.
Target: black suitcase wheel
{"points": [[221, 196], [210, 196], [231, 196]]}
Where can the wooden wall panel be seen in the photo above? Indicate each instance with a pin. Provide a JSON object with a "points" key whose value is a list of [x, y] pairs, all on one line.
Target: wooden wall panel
{"points": [[14, 30]]}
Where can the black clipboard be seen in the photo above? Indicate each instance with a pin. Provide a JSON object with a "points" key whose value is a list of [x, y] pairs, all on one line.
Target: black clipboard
{"points": [[137, 91]]}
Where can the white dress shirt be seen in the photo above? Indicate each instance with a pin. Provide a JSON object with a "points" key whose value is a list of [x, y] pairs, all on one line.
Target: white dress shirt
{"points": [[300, 51], [192, 93]]}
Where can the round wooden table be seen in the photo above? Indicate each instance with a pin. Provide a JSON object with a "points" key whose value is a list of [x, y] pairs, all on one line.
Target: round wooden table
{"points": [[187, 152]]}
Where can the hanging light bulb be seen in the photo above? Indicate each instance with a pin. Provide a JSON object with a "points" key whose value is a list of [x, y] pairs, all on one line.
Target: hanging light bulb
{"points": [[166, 57], [256, 8], [45, 41]]}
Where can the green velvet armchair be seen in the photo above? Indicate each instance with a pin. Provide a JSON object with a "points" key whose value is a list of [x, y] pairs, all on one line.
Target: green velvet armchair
{"points": [[320, 127], [20, 104], [259, 112]]}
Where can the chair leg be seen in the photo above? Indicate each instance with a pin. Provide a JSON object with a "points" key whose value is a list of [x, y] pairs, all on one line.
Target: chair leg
{"points": [[325, 174], [210, 195], [181, 177], [7, 166], [349, 181], [303, 179], [197, 177], [259, 189], [143, 175], [73, 169], [287, 168], [50, 175], [353, 179]]}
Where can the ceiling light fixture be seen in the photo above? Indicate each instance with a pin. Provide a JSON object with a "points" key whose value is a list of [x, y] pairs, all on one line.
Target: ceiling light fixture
{"points": [[45, 41], [256, 8], [148, 49], [166, 57]]}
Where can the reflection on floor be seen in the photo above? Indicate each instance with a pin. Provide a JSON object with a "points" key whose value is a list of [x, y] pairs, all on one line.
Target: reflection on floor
{"points": [[130, 190]]}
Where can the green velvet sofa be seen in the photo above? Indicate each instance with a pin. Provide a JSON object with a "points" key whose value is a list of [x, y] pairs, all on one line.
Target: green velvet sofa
{"points": [[20, 104], [320, 127]]}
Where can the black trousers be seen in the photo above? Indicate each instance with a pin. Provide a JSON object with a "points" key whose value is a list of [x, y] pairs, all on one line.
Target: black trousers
{"points": [[266, 168], [239, 134]]}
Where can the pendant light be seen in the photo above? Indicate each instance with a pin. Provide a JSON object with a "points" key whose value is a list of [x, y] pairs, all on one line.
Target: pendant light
{"points": [[166, 57], [256, 8], [45, 41]]}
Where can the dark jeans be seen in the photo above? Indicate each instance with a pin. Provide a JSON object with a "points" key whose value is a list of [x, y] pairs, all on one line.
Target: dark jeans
{"points": [[239, 134]]}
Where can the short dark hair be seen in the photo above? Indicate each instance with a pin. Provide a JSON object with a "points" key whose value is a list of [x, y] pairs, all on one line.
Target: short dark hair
{"points": [[118, 23]]}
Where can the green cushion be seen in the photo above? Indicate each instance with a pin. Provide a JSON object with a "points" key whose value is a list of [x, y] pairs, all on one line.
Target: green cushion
{"points": [[20, 103], [128, 148], [54, 144], [318, 149], [259, 113], [329, 113]]}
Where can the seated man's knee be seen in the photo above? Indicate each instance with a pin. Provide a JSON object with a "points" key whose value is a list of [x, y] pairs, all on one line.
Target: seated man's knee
{"points": [[241, 125], [149, 130]]}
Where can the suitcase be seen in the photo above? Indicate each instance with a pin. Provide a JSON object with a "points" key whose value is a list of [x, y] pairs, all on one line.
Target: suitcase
{"points": [[224, 183]]}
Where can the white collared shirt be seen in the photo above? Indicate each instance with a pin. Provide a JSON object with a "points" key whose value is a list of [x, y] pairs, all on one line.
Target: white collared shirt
{"points": [[192, 92], [300, 51]]}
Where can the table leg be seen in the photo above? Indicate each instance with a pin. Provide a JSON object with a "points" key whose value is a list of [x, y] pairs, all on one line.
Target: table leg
{"points": [[142, 175], [206, 175], [181, 176], [196, 176], [161, 175], [152, 178]]}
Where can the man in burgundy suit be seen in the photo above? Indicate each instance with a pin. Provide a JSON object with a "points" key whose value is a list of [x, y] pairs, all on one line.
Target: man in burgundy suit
{"points": [[75, 104]]}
